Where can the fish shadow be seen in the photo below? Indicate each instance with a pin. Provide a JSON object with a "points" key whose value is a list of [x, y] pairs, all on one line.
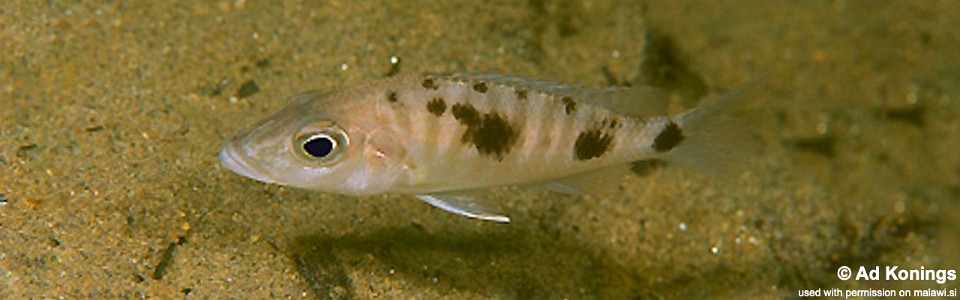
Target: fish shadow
{"points": [[502, 263], [525, 261], [533, 257]]}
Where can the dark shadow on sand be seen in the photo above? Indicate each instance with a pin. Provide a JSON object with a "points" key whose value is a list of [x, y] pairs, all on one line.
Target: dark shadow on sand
{"points": [[507, 263]]}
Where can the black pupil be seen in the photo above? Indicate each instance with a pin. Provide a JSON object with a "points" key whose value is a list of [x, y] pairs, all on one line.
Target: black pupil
{"points": [[319, 146]]}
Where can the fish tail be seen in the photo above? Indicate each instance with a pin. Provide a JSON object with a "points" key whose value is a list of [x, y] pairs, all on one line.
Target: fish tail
{"points": [[717, 138]]}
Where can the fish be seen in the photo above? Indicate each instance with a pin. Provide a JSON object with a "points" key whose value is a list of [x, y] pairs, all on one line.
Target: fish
{"points": [[448, 138]]}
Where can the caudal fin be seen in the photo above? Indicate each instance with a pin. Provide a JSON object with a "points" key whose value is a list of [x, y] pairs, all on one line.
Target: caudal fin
{"points": [[717, 137]]}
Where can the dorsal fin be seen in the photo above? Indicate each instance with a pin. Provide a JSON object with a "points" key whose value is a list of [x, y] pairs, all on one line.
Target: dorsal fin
{"points": [[641, 102]]}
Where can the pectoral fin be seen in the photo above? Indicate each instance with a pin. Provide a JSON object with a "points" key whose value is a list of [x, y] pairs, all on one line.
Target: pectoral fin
{"points": [[465, 205]]}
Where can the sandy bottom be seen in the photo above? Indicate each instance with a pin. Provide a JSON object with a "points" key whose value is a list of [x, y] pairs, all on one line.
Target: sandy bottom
{"points": [[112, 114]]}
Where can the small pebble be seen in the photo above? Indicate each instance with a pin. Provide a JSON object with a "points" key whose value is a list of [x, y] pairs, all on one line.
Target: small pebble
{"points": [[248, 89]]}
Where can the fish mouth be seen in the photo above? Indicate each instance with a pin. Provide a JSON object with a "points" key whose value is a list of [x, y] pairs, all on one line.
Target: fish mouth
{"points": [[237, 163]]}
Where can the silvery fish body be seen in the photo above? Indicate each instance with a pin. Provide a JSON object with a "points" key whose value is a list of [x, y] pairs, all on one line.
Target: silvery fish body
{"points": [[443, 137]]}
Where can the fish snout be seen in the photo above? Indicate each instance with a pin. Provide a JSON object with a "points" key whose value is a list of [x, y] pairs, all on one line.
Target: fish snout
{"points": [[240, 163]]}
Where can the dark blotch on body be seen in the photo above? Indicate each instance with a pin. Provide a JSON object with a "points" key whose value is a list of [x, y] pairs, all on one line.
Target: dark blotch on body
{"points": [[392, 97], [522, 94], [437, 106], [570, 106], [466, 114], [669, 138], [592, 144], [490, 133], [430, 83], [612, 123], [480, 87]]}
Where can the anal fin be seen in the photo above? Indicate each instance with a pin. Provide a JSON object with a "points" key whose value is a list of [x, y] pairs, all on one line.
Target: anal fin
{"points": [[598, 181], [465, 205]]}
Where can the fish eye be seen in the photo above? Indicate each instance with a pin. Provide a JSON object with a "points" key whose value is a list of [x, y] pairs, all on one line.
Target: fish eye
{"points": [[322, 146], [319, 146]]}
